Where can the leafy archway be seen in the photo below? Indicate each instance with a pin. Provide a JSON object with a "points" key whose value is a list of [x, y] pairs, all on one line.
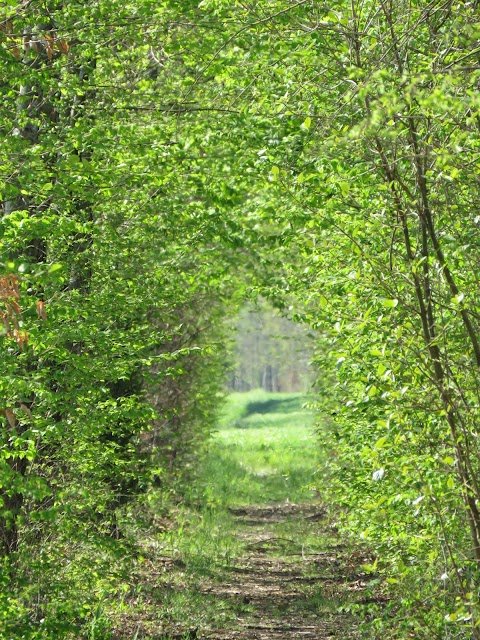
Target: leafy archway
{"points": [[161, 164]]}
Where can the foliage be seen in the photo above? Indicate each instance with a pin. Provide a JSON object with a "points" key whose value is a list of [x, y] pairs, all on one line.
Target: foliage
{"points": [[111, 304], [363, 122], [380, 209], [159, 163]]}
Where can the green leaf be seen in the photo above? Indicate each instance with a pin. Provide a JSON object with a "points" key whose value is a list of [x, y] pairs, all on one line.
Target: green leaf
{"points": [[306, 123], [389, 304]]}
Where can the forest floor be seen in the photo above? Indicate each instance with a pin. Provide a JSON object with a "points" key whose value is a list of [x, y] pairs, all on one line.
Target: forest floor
{"points": [[252, 555]]}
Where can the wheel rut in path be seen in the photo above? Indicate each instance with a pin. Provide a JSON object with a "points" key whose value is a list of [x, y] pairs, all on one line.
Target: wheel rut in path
{"points": [[291, 588]]}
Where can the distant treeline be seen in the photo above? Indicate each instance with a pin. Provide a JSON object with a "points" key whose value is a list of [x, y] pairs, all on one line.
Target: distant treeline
{"points": [[272, 352]]}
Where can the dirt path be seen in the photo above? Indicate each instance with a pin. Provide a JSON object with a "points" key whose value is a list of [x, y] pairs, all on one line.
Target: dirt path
{"points": [[224, 565], [288, 584], [292, 591]]}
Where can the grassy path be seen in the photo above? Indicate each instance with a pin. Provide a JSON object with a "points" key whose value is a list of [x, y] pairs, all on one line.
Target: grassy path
{"points": [[252, 556], [292, 587]]}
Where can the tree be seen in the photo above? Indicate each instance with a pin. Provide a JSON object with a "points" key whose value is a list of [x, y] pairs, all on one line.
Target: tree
{"points": [[271, 352], [363, 126], [160, 163]]}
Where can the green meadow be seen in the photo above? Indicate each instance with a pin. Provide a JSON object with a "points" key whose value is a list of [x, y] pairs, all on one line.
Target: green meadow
{"points": [[263, 451]]}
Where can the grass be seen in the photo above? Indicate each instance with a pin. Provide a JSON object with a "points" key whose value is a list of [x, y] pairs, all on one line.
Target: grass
{"points": [[203, 540], [241, 409], [264, 450]]}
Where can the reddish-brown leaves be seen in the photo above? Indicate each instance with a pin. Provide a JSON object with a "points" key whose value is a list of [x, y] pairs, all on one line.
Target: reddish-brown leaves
{"points": [[10, 417], [25, 409], [41, 312], [10, 312], [48, 44]]}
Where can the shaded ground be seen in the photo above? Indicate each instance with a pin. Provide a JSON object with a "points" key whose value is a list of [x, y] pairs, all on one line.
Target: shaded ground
{"points": [[289, 583], [274, 405]]}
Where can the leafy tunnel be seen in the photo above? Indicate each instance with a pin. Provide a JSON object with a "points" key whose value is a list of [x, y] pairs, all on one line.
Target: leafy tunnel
{"points": [[165, 167]]}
